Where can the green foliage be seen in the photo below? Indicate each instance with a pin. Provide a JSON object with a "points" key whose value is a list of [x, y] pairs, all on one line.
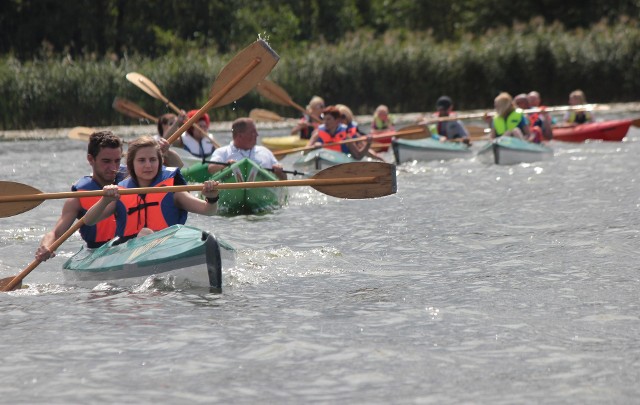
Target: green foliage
{"points": [[407, 71]]}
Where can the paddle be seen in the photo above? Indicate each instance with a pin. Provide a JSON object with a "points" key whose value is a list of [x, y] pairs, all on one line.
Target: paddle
{"points": [[351, 180], [236, 79], [294, 172], [410, 132], [81, 133], [131, 109], [10, 283], [278, 95], [259, 114], [151, 89]]}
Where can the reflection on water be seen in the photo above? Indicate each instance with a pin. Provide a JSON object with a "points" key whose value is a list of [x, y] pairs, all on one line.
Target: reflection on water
{"points": [[473, 284]]}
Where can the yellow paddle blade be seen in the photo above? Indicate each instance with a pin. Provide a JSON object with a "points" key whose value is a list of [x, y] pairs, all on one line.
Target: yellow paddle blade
{"points": [[9, 209], [145, 85], [81, 133]]}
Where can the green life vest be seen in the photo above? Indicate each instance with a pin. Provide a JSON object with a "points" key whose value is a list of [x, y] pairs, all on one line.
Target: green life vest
{"points": [[501, 125]]}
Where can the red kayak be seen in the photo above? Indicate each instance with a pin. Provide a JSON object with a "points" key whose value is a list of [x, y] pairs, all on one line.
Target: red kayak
{"points": [[613, 131]]}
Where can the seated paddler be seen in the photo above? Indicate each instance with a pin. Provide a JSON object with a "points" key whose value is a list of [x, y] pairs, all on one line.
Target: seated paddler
{"points": [[142, 214]]}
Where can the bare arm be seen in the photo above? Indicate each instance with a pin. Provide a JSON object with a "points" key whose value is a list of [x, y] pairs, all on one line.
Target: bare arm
{"points": [[70, 211], [188, 202]]}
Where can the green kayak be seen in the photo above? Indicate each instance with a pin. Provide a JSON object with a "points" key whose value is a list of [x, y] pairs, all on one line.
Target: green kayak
{"points": [[241, 201], [189, 255]]}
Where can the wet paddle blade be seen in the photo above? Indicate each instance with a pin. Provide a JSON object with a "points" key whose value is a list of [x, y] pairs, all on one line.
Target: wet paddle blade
{"points": [[9, 209], [260, 51], [382, 175], [5, 282]]}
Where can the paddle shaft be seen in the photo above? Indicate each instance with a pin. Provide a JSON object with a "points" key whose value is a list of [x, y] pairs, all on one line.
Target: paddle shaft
{"points": [[192, 187], [358, 139], [54, 246], [213, 100], [279, 95], [294, 172]]}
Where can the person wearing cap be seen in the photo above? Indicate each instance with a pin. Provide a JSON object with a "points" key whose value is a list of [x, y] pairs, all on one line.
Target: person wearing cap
{"points": [[446, 127], [508, 121], [197, 142]]}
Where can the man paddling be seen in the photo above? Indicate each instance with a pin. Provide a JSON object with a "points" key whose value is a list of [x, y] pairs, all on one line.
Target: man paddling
{"points": [[243, 145], [104, 153]]}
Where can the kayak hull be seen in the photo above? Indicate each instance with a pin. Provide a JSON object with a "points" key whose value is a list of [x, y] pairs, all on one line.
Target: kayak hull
{"points": [[407, 150], [188, 255], [610, 131], [241, 201], [320, 159], [512, 151], [276, 143]]}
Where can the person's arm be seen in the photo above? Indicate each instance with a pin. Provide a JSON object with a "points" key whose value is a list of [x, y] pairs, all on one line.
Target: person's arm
{"points": [[170, 156], [190, 203], [70, 211], [313, 141], [105, 206], [182, 118], [219, 155], [359, 150]]}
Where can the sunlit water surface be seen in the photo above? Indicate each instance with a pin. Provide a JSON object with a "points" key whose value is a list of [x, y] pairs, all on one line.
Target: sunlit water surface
{"points": [[473, 284]]}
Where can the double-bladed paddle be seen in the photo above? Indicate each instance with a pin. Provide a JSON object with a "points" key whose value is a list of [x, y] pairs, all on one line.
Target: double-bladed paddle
{"points": [[11, 283], [131, 109], [149, 87], [355, 180], [410, 132], [236, 79], [278, 95]]}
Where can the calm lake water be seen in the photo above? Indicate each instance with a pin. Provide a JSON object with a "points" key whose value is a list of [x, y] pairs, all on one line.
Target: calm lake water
{"points": [[472, 284]]}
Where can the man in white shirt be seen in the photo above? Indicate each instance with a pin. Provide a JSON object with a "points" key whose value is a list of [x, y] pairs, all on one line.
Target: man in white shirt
{"points": [[243, 145]]}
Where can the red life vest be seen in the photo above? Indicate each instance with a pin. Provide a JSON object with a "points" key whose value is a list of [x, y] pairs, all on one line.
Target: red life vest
{"points": [[102, 232], [325, 137], [155, 211]]}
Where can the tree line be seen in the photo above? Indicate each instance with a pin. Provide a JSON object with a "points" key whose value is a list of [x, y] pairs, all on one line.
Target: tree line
{"points": [[40, 28]]}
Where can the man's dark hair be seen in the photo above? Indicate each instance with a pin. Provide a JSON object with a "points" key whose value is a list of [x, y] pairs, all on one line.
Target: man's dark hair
{"points": [[102, 139]]}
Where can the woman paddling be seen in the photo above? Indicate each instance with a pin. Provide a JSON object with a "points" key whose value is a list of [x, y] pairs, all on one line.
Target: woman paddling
{"points": [[141, 214]]}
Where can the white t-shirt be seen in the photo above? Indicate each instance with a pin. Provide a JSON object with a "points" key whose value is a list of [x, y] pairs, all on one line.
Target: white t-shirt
{"points": [[259, 154]]}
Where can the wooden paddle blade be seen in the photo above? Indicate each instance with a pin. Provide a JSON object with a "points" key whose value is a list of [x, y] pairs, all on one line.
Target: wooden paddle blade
{"points": [[81, 133], [131, 109], [236, 85], [273, 92], [413, 132], [145, 85], [383, 181], [258, 114], [4, 283], [10, 188], [636, 122]]}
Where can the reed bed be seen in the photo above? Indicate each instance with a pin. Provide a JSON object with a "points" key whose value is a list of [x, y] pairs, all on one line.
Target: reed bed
{"points": [[406, 71]]}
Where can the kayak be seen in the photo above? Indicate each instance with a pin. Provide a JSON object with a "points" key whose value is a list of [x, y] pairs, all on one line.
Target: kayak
{"points": [[241, 201], [406, 150], [319, 159], [507, 150], [614, 131], [276, 143], [190, 256]]}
